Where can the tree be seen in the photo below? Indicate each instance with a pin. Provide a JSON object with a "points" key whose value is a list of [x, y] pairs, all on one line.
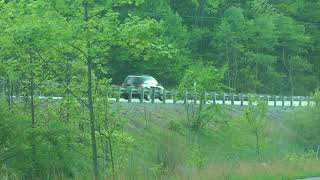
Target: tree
{"points": [[255, 116], [229, 38], [305, 125], [292, 43], [165, 56], [196, 81], [91, 31], [262, 39], [24, 37]]}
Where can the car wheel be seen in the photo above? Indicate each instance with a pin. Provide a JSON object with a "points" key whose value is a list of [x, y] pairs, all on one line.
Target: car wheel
{"points": [[161, 98], [147, 97], [125, 96]]}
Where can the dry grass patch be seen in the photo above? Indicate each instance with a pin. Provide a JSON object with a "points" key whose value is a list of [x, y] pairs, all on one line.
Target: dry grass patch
{"points": [[252, 170]]}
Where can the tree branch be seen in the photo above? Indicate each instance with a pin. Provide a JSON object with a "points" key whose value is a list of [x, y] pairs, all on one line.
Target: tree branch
{"points": [[63, 83], [78, 49]]}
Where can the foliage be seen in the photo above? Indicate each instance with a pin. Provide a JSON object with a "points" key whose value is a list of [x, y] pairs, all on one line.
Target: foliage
{"points": [[305, 126], [196, 159], [199, 117], [255, 115], [311, 154], [166, 38], [176, 126], [200, 78], [59, 151], [316, 97], [77, 49]]}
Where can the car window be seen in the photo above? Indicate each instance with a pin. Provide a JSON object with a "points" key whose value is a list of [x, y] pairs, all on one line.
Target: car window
{"points": [[151, 81], [133, 80]]}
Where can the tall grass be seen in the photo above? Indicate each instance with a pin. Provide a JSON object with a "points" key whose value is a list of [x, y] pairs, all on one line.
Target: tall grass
{"points": [[253, 170]]}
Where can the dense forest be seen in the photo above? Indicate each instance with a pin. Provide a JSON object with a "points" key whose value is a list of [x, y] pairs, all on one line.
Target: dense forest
{"points": [[266, 46], [269, 47], [79, 50]]}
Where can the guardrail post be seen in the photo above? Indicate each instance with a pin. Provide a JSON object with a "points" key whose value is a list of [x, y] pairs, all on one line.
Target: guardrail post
{"points": [[153, 95], [291, 101], [308, 100], [118, 94], [241, 99], [174, 96], [300, 101], [185, 98], [283, 99], [259, 97], [274, 101], [130, 95], [17, 94], [2, 88], [223, 99], [195, 98], [205, 98], [164, 96], [214, 98], [141, 95], [232, 99]]}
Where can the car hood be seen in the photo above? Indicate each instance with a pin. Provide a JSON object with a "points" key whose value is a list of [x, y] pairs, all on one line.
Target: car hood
{"points": [[160, 87]]}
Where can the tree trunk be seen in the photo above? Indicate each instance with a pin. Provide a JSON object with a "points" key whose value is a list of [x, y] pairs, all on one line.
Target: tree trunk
{"points": [[67, 92], [110, 130], [229, 64], [9, 92], [90, 98], [257, 144], [201, 12], [32, 107], [291, 80], [257, 78], [289, 70], [92, 120], [33, 123], [318, 77], [235, 76], [111, 155]]}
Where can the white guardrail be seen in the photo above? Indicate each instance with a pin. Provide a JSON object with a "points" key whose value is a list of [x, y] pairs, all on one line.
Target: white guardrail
{"points": [[152, 95], [139, 95]]}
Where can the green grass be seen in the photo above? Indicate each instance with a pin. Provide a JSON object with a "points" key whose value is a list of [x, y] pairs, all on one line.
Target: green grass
{"points": [[276, 170], [165, 149]]}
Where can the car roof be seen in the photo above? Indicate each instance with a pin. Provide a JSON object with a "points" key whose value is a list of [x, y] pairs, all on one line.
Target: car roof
{"points": [[140, 76]]}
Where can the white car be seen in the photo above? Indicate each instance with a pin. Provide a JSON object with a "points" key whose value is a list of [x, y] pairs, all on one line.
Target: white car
{"points": [[137, 83]]}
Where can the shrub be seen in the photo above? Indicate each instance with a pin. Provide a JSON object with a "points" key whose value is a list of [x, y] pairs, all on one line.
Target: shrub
{"points": [[49, 150], [305, 125], [175, 126]]}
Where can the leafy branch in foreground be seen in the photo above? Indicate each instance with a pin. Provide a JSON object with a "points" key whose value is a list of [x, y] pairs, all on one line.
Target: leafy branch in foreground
{"points": [[255, 115]]}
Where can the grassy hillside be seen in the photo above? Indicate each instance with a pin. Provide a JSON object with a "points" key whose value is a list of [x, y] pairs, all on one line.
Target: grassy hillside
{"points": [[145, 141], [165, 148]]}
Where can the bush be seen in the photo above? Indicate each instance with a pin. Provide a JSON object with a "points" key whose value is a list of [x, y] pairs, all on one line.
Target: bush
{"points": [[175, 126], [49, 150], [169, 153], [305, 125], [197, 158], [202, 77]]}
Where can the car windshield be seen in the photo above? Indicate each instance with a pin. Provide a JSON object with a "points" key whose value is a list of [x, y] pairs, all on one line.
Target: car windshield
{"points": [[150, 81], [133, 80]]}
